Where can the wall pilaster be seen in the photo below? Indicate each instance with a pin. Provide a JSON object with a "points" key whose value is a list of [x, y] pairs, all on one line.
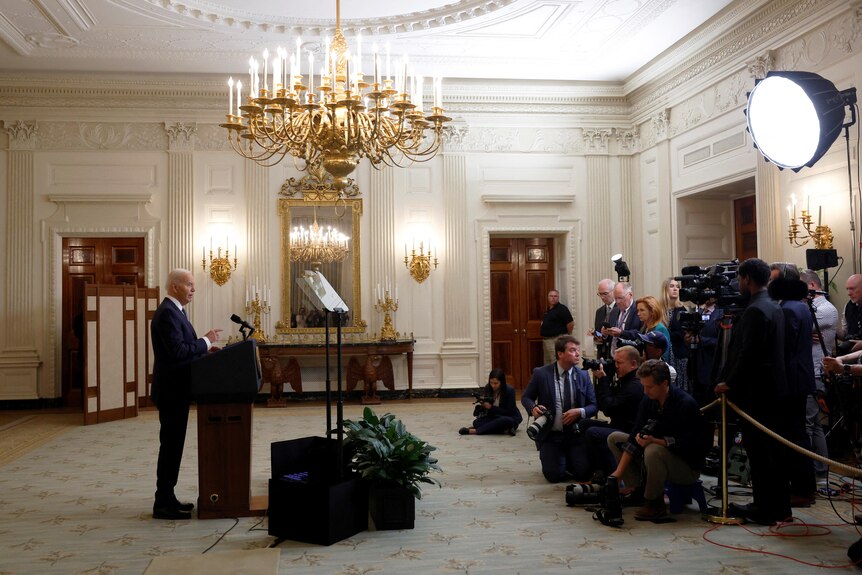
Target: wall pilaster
{"points": [[381, 232], [19, 358]]}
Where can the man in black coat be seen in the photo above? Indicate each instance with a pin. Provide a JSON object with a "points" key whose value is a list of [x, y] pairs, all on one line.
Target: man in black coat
{"points": [[754, 378], [175, 345], [618, 395]]}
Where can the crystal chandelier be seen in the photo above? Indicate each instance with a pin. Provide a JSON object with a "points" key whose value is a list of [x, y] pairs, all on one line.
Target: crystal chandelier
{"points": [[317, 245], [342, 120]]}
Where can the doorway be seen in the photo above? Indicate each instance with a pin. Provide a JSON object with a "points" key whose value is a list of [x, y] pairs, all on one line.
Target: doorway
{"points": [[115, 261], [522, 273]]}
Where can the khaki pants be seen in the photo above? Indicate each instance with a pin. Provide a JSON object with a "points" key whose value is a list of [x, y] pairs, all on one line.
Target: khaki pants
{"points": [[548, 346], [660, 464]]}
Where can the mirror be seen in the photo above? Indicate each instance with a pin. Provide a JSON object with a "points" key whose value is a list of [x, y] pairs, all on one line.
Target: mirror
{"points": [[298, 315]]}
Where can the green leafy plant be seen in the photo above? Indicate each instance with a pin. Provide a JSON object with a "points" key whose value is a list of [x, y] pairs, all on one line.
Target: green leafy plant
{"points": [[384, 452]]}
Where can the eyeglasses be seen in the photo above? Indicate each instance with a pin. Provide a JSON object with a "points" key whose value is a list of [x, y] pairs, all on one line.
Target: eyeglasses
{"points": [[603, 293]]}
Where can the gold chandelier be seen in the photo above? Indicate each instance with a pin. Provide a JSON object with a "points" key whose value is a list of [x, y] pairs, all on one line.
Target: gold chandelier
{"points": [[340, 122], [317, 245]]}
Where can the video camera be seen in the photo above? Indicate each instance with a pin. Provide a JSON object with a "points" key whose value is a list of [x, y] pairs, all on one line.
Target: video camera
{"points": [[480, 410], [700, 284]]}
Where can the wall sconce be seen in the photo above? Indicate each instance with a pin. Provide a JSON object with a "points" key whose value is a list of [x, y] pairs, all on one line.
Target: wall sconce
{"points": [[820, 235], [419, 265], [220, 265]]}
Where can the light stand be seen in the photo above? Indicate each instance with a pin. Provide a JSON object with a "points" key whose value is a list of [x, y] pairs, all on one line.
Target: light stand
{"points": [[794, 117]]}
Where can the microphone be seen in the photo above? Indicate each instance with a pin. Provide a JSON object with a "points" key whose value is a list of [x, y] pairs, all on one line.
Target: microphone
{"points": [[243, 324]]}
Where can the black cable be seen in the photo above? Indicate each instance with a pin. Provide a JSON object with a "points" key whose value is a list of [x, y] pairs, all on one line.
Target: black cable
{"points": [[235, 523]]}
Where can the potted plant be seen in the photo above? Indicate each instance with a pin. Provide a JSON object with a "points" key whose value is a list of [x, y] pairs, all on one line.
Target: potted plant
{"points": [[394, 462]]}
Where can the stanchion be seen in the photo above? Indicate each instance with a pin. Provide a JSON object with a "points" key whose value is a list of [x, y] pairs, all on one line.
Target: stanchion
{"points": [[723, 519]]}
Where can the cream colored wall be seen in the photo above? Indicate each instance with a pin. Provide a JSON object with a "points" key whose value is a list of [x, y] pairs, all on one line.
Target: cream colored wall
{"points": [[600, 174]]}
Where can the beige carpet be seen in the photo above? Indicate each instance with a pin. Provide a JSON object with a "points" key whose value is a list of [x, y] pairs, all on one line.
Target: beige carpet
{"points": [[258, 562], [81, 503], [20, 434]]}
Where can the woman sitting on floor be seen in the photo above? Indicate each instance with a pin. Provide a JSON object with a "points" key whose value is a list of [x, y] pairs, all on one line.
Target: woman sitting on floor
{"points": [[501, 413]]}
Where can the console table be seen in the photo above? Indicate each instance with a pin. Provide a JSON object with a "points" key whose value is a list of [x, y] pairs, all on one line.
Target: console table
{"points": [[281, 361]]}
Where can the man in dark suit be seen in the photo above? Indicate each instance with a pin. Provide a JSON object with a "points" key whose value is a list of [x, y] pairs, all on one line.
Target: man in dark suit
{"points": [[605, 291], [566, 394], [624, 319], [754, 378], [175, 345]]}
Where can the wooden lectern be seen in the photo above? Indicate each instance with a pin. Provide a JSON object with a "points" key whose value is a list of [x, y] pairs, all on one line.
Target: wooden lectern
{"points": [[224, 385]]}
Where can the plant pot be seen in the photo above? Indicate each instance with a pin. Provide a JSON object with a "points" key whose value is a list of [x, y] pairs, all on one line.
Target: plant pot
{"points": [[391, 508]]}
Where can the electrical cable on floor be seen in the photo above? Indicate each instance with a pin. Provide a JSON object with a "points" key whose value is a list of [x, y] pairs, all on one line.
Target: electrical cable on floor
{"points": [[235, 523]]}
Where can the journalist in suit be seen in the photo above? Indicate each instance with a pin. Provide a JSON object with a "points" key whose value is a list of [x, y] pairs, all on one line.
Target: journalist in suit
{"points": [[175, 345], [562, 449], [624, 319]]}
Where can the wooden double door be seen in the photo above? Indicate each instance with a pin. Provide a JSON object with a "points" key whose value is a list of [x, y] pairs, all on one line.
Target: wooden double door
{"points": [[522, 274], [117, 261]]}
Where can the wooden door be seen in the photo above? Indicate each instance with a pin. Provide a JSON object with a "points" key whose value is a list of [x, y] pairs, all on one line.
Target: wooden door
{"points": [[745, 227], [521, 275], [117, 261]]}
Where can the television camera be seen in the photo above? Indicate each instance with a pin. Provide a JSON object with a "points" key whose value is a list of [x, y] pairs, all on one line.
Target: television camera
{"points": [[719, 281]]}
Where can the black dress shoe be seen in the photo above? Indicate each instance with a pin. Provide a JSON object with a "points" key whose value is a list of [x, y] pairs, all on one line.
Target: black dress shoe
{"points": [[184, 506], [170, 513]]}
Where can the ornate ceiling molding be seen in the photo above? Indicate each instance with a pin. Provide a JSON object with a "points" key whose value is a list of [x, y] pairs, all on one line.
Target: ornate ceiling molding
{"points": [[770, 21], [454, 13]]}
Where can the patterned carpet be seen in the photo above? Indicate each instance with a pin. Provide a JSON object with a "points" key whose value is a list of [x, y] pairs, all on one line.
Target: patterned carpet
{"points": [[80, 503]]}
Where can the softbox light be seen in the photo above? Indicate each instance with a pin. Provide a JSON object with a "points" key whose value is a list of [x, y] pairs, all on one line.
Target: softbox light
{"points": [[794, 117]]}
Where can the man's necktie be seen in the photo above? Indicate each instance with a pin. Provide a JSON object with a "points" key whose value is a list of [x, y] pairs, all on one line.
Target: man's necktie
{"points": [[567, 392]]}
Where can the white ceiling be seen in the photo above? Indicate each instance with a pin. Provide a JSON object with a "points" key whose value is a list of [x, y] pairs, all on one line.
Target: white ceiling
{"points": [[568, 40]]}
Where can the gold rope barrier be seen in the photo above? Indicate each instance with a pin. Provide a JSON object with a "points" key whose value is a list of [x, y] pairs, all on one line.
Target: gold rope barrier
{"points": [[853, 471], [724, 402]]}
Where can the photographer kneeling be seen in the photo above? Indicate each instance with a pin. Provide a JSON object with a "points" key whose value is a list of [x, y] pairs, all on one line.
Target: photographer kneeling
{"points": [[496, 409], [560, 395], [618, 394], [668, 441]]}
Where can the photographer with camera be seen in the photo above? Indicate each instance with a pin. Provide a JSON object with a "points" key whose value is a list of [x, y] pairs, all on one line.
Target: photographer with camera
{"points": [[668, 442], [496, 410], [618, 394], [558, 396]]}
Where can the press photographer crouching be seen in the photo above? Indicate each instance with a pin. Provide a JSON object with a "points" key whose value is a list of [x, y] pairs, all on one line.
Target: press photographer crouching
{"points": [[668, 442], [618, 394], [496, 410], [563, 395]]}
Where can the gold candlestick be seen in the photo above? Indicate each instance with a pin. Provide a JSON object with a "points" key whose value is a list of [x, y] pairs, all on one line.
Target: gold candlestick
{"points": [[386, 305], [256, 307]]}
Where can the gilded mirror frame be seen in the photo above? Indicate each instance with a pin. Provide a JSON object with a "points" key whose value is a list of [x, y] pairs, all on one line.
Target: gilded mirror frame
{"points": [[343, 205]]}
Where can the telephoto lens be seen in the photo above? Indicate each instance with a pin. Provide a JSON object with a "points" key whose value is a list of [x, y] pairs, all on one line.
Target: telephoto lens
{"points": [[583, 494]]}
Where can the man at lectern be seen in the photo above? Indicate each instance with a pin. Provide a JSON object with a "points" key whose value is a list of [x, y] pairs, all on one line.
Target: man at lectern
{"points": [[175, 345]]}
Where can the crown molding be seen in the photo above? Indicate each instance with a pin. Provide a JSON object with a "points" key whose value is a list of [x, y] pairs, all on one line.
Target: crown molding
{"points": [[458, 12]]}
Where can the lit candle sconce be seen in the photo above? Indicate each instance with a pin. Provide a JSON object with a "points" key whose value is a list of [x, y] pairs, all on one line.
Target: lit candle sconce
{"points": [[220, 266], [799, 233], [419, 265]]}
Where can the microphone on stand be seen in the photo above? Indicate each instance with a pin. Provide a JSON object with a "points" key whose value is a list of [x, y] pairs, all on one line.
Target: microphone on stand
{"points": [[243, 325]]}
